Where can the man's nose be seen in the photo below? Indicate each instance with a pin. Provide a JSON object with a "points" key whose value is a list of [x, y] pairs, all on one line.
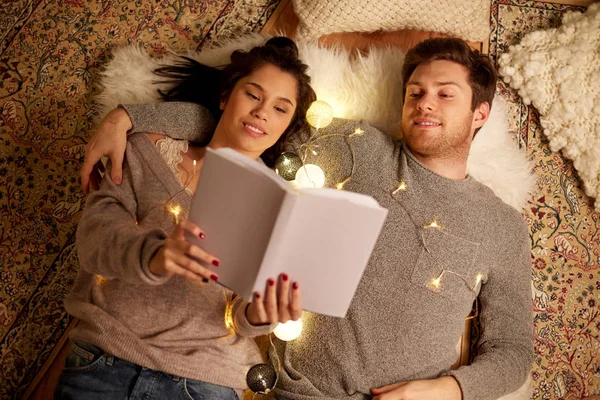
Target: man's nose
{"points": [[426, 103]]}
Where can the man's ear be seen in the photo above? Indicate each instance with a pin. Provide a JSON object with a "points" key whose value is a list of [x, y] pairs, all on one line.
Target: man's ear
{"points": [[480, 115], [222, 103]]}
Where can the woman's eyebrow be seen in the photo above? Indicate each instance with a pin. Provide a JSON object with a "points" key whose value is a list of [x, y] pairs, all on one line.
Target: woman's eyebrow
{"points": [[284, 99]]}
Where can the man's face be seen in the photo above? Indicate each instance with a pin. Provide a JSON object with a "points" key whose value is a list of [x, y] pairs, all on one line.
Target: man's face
{"points": [[437, 121]]}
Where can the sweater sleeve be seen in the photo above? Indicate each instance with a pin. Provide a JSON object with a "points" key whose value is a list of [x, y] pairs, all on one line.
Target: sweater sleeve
{"points": [[178, 120], [241, 324], [337, 148], [505, 349], [109, 241]]}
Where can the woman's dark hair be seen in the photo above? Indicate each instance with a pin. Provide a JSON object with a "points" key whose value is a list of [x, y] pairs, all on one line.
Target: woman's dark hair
{"points": [[198, 83]]}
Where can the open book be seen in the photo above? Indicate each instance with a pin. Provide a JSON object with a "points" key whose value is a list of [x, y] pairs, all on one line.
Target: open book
{"points": [[259, 226]]}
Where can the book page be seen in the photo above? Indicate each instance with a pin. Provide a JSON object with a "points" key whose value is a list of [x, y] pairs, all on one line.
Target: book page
{"points": [[324, 243], [255, 165], [237, 207]]}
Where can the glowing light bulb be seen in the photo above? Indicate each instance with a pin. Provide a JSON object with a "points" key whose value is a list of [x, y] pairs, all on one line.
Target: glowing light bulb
{"points": [[435, 283], [401, 187], [320, 114], [287, 165], [289, 330], [310, 176], [434, 224], [175, 210], [340, 186], [478, 279], [357, 132]]}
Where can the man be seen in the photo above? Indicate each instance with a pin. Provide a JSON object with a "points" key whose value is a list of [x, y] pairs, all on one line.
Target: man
{"points": [[447, 240]]}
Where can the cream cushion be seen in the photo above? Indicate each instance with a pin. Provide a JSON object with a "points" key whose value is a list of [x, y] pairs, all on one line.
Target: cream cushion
{"points": [[468, 20]]}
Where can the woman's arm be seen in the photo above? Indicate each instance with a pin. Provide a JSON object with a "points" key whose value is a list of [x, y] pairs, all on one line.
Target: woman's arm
{"points": [[111, 243]]}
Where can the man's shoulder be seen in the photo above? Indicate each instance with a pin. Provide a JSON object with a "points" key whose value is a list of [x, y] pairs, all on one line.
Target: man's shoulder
{"points": [[504, 216]]}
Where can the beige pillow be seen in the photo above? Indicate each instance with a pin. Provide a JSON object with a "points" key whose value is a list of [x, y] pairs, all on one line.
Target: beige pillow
{"points": [[468, 20]]}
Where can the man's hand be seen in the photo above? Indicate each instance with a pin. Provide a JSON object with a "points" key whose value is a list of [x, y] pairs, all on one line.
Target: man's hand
{"points": [[109, 140], [446, 388], [278, 304]]}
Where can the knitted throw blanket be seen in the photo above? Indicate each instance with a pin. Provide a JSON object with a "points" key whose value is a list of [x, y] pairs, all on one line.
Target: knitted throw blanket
{"points": [[558, 70]]}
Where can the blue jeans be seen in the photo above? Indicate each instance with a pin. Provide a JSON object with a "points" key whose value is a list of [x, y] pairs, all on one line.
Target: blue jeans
{"points": [[91, 374]]}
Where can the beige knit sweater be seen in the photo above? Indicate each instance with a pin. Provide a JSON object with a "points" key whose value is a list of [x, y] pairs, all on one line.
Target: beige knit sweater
{"points": [[166, 324]]}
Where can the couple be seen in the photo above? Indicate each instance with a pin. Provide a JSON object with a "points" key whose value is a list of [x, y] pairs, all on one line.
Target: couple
{"points": [[398, 339]]}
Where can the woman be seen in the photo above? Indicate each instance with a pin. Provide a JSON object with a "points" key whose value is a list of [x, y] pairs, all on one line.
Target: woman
{"points": [[151, 320]]}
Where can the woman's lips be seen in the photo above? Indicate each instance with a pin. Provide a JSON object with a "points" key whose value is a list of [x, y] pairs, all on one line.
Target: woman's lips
{"points": [[253, 130]]}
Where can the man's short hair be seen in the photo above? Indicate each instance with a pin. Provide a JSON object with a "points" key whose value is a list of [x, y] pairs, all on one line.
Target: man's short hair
{"points": [[482, 74]]}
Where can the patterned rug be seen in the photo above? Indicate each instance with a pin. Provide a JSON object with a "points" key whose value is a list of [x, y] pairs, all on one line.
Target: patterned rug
{"points": [[564, 232], [50, 55]]}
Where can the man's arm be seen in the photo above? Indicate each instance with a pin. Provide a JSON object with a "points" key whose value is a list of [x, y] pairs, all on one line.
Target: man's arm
{"points": [[188, 121], [505, 350]]}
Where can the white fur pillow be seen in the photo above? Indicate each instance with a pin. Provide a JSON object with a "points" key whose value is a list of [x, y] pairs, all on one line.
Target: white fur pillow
{"points": [[558, 70], [364, 87], [466, 19]]}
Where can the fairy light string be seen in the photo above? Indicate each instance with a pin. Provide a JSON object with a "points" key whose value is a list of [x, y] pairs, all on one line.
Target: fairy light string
{"points": [[311, 146], [175, 209]]}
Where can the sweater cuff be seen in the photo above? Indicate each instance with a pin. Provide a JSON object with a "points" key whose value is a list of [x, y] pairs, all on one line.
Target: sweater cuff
{"points": [[242, 326], [470, 387], [153, 243], [136, 113]]}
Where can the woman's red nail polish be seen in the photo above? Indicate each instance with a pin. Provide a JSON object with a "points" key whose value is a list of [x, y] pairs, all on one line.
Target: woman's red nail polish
{"points": [[215, 263], [257, 295], [271, 282], [202, 235], [214, 277], [295, 285], [285, 277]]}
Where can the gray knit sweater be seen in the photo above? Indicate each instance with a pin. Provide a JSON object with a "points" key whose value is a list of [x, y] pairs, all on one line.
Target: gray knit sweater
{"points": [[400, 327], [162, 323]]}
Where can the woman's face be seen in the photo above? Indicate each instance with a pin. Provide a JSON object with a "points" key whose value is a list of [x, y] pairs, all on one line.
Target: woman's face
{"points": [[257, 112]]}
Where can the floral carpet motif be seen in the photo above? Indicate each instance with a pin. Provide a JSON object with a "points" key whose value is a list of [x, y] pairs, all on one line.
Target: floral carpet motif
{"points": [[564, 233], [50, 56]]}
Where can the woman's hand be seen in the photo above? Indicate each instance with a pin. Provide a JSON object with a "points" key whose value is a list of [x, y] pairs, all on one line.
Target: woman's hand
{"points": [[278, 304], [174, 256], [109, 140]]}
